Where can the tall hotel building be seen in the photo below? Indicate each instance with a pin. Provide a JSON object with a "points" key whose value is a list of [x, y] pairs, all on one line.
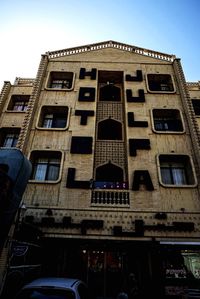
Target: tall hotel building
{"points": [[112, 132]]}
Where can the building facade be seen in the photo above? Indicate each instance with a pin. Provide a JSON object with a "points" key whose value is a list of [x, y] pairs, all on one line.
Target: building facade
{"points": [[112, 133]]}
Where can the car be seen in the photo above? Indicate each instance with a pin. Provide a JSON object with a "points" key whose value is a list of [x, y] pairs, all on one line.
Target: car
{"points": [[54, 288]]}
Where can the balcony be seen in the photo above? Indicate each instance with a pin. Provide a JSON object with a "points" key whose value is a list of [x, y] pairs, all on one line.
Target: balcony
{"points": [[110, 198]]}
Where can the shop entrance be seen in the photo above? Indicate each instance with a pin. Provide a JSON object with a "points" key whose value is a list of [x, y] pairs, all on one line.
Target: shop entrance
{"points": [[107, 268], [105, 272], [110, 272]]}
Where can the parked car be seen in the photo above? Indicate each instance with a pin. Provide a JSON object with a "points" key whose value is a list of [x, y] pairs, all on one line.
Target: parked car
{"points": [[54, 288]]}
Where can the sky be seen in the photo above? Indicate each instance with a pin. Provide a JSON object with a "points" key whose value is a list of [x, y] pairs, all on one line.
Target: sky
{"points": [[30, 28]]}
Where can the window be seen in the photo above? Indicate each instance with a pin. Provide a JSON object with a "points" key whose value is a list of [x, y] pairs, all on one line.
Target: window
{"points": [[10, 140], [167, 120], [160, 83], [60, 80], [19, 102], [176, 170], [110, 92], [45, 292], [46, 165], [53, 117], [196, 106], [9, 137], [54, 120], [109, 129]]}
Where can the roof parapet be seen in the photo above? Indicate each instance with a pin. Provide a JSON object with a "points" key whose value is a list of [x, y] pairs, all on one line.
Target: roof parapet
{"points": [[194, 84], [111, 44], [24, 81]]}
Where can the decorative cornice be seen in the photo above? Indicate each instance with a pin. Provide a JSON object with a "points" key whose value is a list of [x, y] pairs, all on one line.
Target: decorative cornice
{"points": [[111, 44], [4, 92], [194, 84]]}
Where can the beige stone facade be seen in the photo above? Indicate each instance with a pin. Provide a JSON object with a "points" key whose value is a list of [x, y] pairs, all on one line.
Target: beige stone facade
{"points": [[151, 165], [142, 203]]}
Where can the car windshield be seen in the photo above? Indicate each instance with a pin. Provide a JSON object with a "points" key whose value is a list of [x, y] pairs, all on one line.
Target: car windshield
{"points": [[45, 294]]}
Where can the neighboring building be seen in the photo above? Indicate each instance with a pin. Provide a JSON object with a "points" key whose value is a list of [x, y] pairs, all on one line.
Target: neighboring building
{"points": [[114, 143], [194, 93]]}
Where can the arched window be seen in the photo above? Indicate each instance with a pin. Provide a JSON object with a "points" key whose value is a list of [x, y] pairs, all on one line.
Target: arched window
{"points": [[110, 129], [110, 92], [109, 173]]}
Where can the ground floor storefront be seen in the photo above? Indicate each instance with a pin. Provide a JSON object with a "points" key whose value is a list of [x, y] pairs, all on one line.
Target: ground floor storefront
{"points": [[108, 267], [142, 269]]}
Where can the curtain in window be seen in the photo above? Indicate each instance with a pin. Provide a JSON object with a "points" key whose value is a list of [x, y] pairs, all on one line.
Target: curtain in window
{"points": [[53, 170], [173, 176], [46, 169], [18, 106], [179, 176], [40, 172], [166, 176], [48, 121], [10, 140]]}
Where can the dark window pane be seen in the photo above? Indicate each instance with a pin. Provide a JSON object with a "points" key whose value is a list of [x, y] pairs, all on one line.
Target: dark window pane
{"points": [[60, 80], [196, 106], [53, 117], [157, 82], [19, 102], [59, 120], [167, 120]]}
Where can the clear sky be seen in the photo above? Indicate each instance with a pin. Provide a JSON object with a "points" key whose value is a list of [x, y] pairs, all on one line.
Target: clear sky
{"points": [[29, 28]]}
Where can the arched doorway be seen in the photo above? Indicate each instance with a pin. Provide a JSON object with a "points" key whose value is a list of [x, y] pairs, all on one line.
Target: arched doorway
{"points": [[109, 173], [110, 92], [109, 129]]}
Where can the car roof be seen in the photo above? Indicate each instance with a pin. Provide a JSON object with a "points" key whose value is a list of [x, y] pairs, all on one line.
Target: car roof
{"points": [[53, 282]]}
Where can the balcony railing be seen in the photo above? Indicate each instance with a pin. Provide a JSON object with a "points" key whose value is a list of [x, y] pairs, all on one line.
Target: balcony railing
{"points": [[108, 197]]}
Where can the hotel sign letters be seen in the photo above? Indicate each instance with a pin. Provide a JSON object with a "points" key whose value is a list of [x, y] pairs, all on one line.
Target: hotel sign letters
{"points": [[88, 94]]}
